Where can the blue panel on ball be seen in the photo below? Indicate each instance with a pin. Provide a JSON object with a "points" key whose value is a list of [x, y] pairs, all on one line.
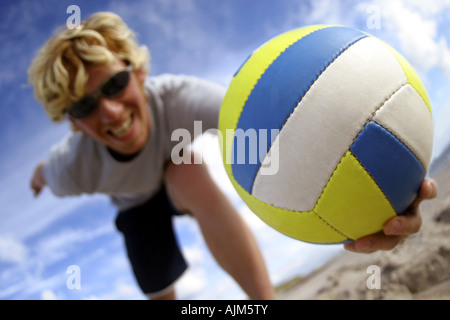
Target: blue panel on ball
{"points": [[281, 88], [392, 165]]}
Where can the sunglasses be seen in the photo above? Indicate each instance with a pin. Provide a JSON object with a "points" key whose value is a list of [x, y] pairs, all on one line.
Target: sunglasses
{"points": [[111, 88]]}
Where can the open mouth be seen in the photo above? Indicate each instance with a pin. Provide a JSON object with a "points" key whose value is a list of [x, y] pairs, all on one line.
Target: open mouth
{"points": [[121, 131]]}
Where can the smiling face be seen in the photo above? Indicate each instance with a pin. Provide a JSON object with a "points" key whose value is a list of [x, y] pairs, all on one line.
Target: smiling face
{"points": [[121, 123]]}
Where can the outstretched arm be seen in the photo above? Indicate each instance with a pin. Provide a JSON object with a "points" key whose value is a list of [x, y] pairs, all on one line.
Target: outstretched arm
{"points": [[226, 234], [38, 180], [398, 228]]}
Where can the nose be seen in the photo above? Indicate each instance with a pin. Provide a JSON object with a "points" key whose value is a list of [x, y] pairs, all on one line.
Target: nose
{"points": [[110, 109]]}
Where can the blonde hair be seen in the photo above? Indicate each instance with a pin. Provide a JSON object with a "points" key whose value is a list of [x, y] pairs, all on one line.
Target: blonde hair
{"points": [[58, 72]]}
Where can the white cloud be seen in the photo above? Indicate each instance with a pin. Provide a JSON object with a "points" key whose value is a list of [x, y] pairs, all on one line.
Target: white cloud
{"points": [[193, 282], [326, 10], [34, 283], [122, 290], [416, 27], [57, 246], [126, 290], [194, 254], [12, 250], [48, 295], [430, 8]]}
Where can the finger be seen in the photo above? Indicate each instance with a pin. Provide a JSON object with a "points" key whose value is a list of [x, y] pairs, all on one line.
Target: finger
{"points": [[36, 187], [403, 225], [428, 190], [411, 221], [374, 243], [36, 190]]}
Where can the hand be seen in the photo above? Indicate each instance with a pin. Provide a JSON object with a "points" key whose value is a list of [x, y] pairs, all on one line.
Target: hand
{"points": [[398, 228], [38, 179]]}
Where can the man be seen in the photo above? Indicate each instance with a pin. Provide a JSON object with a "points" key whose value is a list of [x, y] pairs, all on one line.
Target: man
{"points": [[96, 76]]}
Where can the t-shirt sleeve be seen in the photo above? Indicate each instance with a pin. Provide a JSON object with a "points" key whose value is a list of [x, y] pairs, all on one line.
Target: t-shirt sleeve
{"points": [[59, 169]]}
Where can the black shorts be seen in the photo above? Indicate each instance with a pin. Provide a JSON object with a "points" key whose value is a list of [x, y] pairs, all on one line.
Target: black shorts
{"points": [[151, 245]]}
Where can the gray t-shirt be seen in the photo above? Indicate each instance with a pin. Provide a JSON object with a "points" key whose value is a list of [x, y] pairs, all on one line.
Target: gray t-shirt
{"points": [[78, 164]]}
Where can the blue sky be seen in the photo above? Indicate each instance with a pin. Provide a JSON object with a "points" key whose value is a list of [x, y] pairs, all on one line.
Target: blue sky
{"points": [[40, 238]]}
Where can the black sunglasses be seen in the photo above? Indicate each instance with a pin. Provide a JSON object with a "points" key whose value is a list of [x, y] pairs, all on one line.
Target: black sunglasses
{"points": [[111, 88]]}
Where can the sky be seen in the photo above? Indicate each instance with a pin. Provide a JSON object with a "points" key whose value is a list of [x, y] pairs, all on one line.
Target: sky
{"points": [[41, 239]]}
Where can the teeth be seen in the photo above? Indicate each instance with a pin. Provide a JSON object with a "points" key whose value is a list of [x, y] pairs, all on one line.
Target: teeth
{"points": [[123, 129]]}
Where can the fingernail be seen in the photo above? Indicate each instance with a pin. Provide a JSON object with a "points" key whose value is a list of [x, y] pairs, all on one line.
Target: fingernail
{"points": [[430, 190]]}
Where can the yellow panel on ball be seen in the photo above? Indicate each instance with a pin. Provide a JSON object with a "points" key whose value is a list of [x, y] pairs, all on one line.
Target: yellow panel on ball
{"points": [[352, 191]]}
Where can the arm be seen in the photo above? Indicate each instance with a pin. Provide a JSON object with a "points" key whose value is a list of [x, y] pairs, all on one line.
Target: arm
{"points": [[398, 228], [38, 180]]}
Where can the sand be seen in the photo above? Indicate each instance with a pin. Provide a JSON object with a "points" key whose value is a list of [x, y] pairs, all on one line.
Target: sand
{"points": [[419, 268]]}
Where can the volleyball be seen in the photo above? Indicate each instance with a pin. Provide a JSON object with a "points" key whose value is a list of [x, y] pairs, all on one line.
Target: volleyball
{"points": [[326, 133]]}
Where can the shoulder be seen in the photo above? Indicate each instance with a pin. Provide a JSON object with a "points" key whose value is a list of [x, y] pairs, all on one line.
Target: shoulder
{"points": [[168, 80], [181, 84], [70, 147], [75, 139]]}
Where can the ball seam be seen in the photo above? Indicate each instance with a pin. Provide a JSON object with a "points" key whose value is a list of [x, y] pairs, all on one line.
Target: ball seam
{"points": [[340, 159], [355, 138]]}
